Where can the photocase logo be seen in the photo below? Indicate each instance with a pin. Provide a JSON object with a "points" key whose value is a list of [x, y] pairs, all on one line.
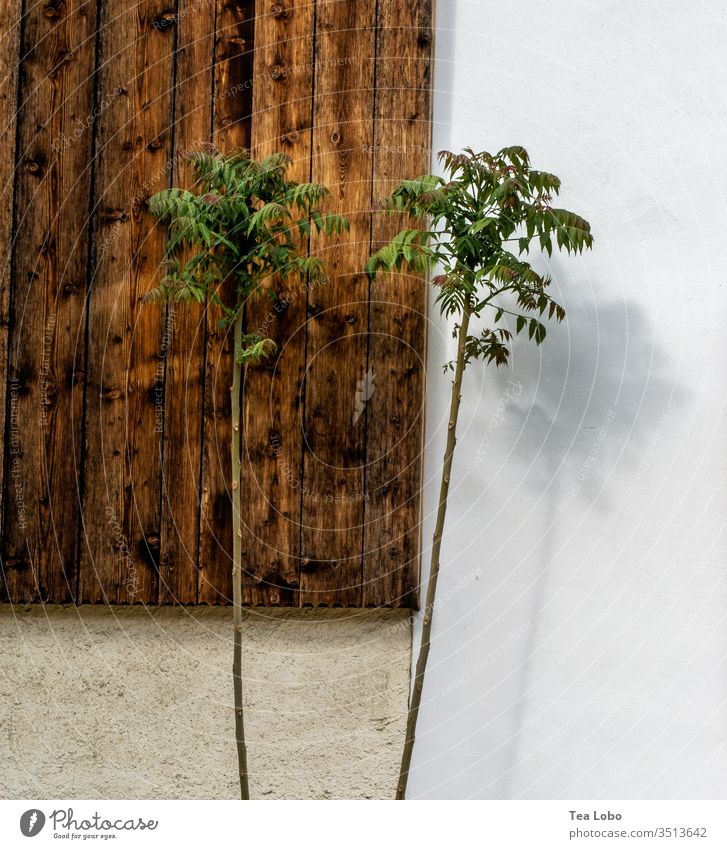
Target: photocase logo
{"points": [[364, 391], [32, 822], [65, 824]]}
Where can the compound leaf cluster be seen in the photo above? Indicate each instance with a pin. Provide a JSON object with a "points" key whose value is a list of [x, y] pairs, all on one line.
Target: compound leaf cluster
{"points": [[242, 223], [475, 226]]}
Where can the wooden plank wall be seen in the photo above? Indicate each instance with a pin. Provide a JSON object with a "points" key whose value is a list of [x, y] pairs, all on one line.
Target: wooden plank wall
{"points": [[9, 63], [115, 414]]}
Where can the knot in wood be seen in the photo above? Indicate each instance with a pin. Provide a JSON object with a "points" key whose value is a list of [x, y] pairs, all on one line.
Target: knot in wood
{"points": [[54, 9], [290, 137], [166, 19], [278, 71], [115, 215], [50, 391]]}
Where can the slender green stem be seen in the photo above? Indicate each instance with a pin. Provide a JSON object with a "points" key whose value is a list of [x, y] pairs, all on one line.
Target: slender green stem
{"points": [[237, 566], [416, 695]]}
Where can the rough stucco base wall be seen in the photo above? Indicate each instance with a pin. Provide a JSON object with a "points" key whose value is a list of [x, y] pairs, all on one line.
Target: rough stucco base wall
{"points": [[137, 703]]}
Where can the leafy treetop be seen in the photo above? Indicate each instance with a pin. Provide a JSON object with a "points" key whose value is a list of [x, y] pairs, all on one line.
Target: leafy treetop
{"points": [[243, 222], [489, 204]]}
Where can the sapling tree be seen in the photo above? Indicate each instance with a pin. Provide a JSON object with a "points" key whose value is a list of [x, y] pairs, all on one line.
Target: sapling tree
{"points": [[242, 224], [475, 227]]}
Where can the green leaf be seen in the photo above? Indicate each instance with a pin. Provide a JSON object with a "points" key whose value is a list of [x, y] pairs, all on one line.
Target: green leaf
{"points": [[242, 220]]}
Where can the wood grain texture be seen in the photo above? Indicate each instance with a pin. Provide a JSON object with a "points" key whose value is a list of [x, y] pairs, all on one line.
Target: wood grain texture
{"points": [[272, 443], [9, 61], [332, 425], [231, 128], [184, 385], [335, 405], [397, 354], [125, 388], [48, 316]]}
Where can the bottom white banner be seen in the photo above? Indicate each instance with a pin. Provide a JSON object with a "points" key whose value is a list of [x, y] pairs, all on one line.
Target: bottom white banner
{"points": [[500, 824]]}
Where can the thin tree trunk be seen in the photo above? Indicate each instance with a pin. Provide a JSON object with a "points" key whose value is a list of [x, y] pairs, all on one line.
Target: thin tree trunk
{"points": [[416, 696], [237, 567]]}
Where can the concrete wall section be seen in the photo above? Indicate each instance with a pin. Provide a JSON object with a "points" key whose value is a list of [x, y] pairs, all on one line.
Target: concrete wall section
{"points": [[137, 703]]}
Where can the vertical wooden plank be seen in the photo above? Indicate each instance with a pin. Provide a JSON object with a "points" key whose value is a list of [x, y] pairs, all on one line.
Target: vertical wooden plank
{"points": [[10, 10], [397, 355], [231, 128], [48, 315], [272, 442], [184, 388], [335, 412], [122, 466]]}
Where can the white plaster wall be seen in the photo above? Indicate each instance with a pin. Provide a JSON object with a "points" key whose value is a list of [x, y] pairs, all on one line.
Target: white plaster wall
{"points": [[580, 647]]}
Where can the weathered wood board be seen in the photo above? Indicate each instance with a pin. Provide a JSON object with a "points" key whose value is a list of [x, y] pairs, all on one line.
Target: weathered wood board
{"points": [[115, 414]]}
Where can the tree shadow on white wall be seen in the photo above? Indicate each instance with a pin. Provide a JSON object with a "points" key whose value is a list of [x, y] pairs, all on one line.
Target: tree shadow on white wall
{"points": [[595, 400]]}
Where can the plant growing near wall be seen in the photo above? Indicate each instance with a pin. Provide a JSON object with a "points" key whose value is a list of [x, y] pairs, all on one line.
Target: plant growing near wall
{"points": [[476, 226], [242, 223]]}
